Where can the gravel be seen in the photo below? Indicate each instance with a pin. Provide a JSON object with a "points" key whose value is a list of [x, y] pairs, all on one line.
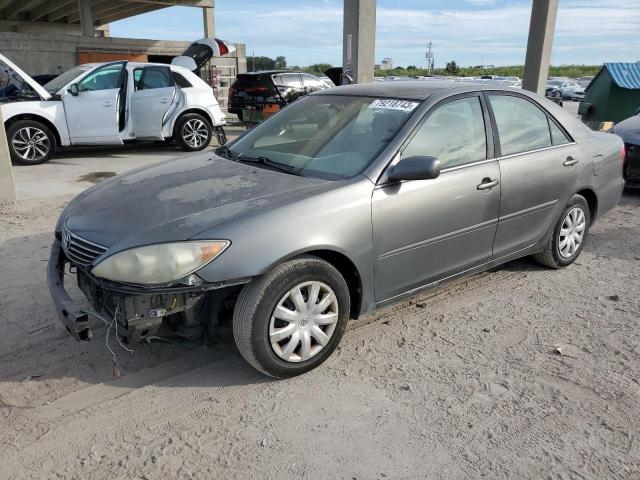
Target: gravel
{"points": [[521, 372]]}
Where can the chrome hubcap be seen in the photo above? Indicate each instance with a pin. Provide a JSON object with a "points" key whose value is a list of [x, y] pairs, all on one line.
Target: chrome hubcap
{"points": [[571, 232], [303, 321], [195, 133], [31, 143]]}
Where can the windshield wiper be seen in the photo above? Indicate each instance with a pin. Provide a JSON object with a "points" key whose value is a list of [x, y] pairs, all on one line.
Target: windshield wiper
{"points": [[283, 167], [224, 150]]}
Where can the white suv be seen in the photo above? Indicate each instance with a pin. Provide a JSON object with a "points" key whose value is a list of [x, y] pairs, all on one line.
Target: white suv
{"points": [[108, 103]]}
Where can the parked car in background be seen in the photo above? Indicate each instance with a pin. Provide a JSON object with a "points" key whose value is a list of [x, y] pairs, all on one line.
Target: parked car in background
{"points": [[109, 104], [317, 215], [629, 131], [552, 92], [569, 89], [584, 81], [270, 89]]}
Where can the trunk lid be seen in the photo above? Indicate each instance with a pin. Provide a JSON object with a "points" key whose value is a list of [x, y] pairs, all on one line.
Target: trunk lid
{"points": [[17, 75], [201, 51]]}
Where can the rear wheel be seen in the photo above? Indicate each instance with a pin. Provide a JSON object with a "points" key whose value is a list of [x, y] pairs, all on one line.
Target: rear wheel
{"points": [[193, 132], [30, 142], [569, 235], [290, 320]]}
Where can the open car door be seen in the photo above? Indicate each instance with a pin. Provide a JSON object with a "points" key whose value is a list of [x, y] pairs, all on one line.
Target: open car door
{"points": [[155, 94], [94, 106], [201, 51]]}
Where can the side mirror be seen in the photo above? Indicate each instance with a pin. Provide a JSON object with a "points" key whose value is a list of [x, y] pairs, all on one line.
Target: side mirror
{"points": [[73, 89], [415, 168]]}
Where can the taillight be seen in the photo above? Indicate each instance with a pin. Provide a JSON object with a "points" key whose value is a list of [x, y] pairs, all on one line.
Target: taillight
{"points": [[256, 90]]}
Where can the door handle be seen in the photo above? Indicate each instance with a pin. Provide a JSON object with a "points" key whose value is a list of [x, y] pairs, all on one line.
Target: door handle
{"points": [[570, 161], [107, 104], [164, 100], [487, 184]]}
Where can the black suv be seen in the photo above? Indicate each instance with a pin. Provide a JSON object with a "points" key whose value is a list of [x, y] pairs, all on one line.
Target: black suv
{"points": [[271, 90]]}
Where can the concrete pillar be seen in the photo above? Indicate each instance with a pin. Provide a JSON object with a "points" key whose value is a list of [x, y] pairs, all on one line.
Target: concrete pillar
{"points": [[7, 185], [541, 28], [208, 16], [86, 17], [359, 39]]}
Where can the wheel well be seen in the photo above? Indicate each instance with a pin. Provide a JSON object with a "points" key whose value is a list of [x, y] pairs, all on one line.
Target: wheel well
{"points": [[350, 274], [592, 201], [204, 113], [29, 116]]}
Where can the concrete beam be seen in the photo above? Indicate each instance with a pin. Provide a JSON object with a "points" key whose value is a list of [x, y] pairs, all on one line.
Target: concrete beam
{"points": [[24, 6], [209, 19], [49, 7], [359, 39], [86, 18], [7, 184], [541, 29], [61, 12], [130, 12]]}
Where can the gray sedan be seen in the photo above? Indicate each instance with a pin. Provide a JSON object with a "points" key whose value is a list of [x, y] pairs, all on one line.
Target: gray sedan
{"points": [[344, 202]]}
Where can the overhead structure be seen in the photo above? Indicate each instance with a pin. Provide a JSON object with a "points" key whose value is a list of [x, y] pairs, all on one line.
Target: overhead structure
{"points": [[88, 15], [541, 29]]}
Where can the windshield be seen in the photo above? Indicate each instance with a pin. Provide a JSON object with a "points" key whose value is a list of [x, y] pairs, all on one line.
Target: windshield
{"points": [[326, 136], [60, 81], [554, 83]]}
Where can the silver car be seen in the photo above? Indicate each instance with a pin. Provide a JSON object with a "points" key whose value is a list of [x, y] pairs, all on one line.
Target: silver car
{"points": [[347, 200]]}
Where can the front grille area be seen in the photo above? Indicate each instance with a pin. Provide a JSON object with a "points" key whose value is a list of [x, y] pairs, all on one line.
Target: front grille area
{"points": [[80, 251]]}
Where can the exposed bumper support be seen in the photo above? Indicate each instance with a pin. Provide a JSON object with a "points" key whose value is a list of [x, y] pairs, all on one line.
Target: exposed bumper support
{"points": [[74, 318]]}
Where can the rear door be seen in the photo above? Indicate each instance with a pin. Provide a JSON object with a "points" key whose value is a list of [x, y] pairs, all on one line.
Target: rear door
{"points": [[428, 230], [93, 115], [154, 95], [539, 164]]}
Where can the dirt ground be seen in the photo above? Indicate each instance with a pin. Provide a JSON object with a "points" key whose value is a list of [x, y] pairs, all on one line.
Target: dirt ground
{"points": [[462, 382]]}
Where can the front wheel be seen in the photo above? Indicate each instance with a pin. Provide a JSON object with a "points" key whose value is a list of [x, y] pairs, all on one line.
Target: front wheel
{"points": [[290, 320], [193, 132], [30, 142], [569, 235]]}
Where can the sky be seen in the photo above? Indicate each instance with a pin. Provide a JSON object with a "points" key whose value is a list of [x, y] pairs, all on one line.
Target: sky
{"points": [[471, 32]]}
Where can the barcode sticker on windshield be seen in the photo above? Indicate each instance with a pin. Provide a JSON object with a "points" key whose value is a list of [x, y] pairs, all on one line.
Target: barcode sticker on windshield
{"points": [[392, 104]]}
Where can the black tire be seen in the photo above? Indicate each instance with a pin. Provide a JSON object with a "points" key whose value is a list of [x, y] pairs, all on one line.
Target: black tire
{"points": [[183, 131], [259, 298], [19, 132], [551, 256]]}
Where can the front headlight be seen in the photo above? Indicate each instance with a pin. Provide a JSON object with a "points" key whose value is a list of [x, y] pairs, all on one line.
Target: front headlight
{"points": [[159, 264]]}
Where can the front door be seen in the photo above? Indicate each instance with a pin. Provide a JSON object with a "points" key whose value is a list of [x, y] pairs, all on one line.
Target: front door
{"points": [[93, 115], [539, 164], [154, 95], [427, 230]]}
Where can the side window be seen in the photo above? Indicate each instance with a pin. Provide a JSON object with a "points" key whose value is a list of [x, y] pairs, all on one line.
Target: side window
{"points": [[558, 137], [103, 78], [137, 73], [155, 77], [291, 80], [311, 81], [521, 125], [454, 133], [180, 80]]}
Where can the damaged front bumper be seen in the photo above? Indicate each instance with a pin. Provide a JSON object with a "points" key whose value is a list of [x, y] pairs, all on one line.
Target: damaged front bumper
{"points": [[140, 313]]}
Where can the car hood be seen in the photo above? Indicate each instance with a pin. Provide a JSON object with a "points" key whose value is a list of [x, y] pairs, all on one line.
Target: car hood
{"points": [[177, 199], [629, 130], [16, 74]]}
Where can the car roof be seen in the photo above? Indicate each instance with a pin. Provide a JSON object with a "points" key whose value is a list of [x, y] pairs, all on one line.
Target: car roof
{"points": [[408, 89]]}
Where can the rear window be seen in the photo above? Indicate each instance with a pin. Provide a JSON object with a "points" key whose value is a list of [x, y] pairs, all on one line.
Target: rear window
{"points": [[180, 80]]}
